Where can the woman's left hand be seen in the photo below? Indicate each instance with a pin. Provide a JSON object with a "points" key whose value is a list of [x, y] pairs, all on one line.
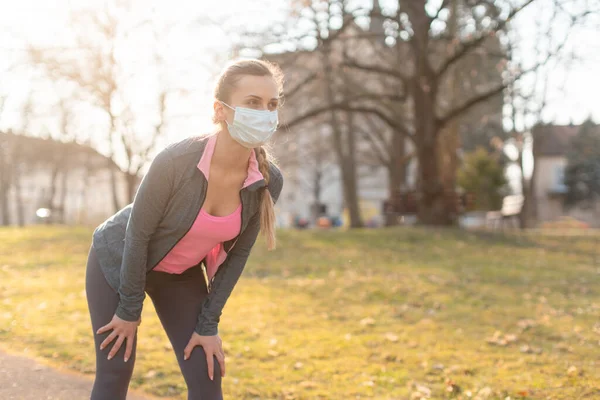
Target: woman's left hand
{"points": [[212, 345]]}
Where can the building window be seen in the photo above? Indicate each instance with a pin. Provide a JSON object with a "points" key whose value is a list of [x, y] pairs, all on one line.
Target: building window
{"points": [[559, 179]]}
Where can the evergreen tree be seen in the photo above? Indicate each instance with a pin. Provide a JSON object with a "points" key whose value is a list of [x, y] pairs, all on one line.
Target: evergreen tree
{"points": [[582, 174], [483, 175]]}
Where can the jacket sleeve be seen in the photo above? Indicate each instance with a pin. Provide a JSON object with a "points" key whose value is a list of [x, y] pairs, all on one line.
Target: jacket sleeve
{"points": [[229, 273], [149, 204]]}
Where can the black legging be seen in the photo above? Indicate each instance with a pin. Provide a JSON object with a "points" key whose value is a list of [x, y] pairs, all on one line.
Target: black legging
{"points": [[177, 300]]}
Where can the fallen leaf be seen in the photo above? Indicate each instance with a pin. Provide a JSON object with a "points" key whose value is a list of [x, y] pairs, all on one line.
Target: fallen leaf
{"points": [[563, 347], [367, 321], [572, 370], [526, 323], [150, 374], [391, 337], [484, 393]]}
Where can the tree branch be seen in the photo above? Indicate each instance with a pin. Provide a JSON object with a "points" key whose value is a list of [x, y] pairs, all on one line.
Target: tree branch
{"points": [[376, 68], [299, 86], [346, 106], [441, 122], [467, 46], [484, 96]]}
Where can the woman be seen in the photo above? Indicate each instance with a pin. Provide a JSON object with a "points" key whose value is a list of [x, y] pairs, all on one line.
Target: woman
{"points": [[186, 237]]}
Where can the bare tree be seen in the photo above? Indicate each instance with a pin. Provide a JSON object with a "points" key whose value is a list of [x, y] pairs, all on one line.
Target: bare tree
{"points": [[5, 172], [314, 76], [95, 66], [428, 59], [527, 95]]}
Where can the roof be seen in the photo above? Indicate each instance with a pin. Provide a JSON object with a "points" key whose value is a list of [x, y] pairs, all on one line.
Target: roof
{"points": [[554, 140], [45, 150]]}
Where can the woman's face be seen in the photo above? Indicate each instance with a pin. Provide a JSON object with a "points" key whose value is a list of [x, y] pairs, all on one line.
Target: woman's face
{"points": [[255, 92]]}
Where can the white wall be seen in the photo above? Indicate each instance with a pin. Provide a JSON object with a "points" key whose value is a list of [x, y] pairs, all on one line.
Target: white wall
{"points": [[550, 178], [87, 206]]}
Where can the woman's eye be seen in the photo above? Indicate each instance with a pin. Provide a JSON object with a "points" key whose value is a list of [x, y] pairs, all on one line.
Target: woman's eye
{"points": [[272, 106]]}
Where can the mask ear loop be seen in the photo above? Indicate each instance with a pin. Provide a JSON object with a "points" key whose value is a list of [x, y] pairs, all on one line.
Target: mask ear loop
{"points": [[222, 102]]}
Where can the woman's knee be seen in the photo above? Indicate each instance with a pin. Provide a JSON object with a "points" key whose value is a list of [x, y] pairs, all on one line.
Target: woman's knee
{"points": [[195, 373]]}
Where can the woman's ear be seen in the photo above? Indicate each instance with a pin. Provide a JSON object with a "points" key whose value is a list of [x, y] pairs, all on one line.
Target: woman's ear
{"points": [[219, 112]]}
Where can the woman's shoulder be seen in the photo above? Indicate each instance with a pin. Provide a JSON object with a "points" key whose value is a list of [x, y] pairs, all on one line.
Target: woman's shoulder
{"points": [[275, 180], [187, 145], [274, 171]]}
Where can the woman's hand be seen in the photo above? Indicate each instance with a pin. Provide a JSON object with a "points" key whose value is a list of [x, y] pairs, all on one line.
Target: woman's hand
{"points": [[212, 345], [123, 330]]}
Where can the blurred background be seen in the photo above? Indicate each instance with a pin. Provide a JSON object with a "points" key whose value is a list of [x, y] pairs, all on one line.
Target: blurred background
{"points": [[435, 112], [468, 129]]}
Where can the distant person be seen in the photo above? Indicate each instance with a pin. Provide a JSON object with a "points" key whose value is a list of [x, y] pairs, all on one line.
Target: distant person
{"points": [[186, 237]]}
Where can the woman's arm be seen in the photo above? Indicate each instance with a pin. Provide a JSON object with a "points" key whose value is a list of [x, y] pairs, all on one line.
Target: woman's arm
{"points": [[228, 274], [147, 211]]}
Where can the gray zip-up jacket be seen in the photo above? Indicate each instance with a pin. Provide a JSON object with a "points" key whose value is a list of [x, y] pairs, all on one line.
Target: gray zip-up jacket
{"points": [[130, 243]]}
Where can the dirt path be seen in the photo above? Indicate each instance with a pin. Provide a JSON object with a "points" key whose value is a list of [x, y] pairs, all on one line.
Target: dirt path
{"points": [[22, 378]]}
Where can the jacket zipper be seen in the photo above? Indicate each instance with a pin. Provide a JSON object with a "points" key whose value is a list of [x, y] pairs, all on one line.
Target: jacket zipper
{"points": [[186, 231], [236, 239]]}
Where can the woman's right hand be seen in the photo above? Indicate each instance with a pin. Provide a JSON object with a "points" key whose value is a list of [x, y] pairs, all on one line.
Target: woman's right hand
{"points": [[124, 330], [213, 346]]}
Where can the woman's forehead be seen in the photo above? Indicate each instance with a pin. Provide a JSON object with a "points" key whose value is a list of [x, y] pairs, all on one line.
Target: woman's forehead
{"points": [[264, 87]]}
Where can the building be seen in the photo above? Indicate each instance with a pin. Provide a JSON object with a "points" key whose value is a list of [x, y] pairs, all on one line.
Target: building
{"points": [[45, 180], [549, 185]]}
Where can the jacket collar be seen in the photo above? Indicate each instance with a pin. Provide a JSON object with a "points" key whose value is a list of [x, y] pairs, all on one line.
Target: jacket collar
{"points": [[254, 178]]}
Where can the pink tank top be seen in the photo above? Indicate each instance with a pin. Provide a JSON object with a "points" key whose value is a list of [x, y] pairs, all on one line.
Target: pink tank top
{"points": [[206, 232]]}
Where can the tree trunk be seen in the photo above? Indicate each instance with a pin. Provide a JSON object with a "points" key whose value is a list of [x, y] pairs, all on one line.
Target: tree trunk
{"points": [[396, 175], [423, 87], [49, 201], [317, 176], [345, 157], [18, 196], [533, 203], [83, 215], [449, 141], [63, 196], [131, 186], [397, 167], [432, 209], [16, 178], [109, 161], [348, 162], [5, 173], [528, 216]]}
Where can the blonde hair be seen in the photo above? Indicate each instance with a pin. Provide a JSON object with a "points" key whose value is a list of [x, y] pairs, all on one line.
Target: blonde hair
{"points": [[224, 87]]}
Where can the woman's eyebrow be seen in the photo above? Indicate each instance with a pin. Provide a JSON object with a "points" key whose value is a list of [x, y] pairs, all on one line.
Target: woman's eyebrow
{"points": [[260, 98]]}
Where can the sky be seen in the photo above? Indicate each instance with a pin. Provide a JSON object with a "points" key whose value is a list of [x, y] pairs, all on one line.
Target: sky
{"points": [[197, 47]]}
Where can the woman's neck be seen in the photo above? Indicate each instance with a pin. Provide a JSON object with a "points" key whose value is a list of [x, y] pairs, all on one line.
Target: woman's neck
{"points": [[229, 154]]}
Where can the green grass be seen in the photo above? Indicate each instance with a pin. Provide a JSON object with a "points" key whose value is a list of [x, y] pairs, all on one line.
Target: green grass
{"points": [[384, 314]]}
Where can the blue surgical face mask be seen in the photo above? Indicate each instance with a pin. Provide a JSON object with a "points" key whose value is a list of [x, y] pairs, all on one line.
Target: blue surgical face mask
{"points": [[252, 128]]}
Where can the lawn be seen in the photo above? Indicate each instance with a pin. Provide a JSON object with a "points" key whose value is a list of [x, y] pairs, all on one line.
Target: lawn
{"points": [[386, 314]]}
